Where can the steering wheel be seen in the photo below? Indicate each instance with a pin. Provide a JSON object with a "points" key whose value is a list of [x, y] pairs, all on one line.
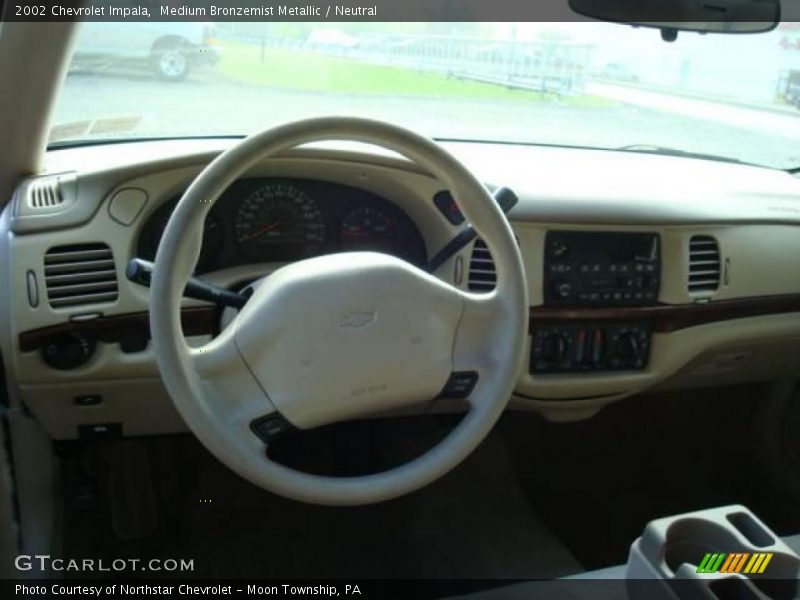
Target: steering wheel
{"points": [[340, 336]]}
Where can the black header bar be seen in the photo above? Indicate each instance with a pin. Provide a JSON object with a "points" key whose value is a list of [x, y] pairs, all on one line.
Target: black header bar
{"points": [[307, 10]]}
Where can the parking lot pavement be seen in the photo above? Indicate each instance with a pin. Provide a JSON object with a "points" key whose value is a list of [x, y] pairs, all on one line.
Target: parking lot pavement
{"points": [[208, 104], [755, 119]]}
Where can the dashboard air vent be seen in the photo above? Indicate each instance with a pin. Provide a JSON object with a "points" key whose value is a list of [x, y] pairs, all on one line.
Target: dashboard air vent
{"points": [[80, 274], [482, 275], [45, 193], [704, 265]]}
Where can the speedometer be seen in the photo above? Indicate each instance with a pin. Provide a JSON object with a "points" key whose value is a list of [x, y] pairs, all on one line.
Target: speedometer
{"points": [[279, 221]]}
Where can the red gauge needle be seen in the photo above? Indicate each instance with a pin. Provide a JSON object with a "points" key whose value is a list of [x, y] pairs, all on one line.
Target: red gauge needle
{"points": [[354, 233], [262, 230]]}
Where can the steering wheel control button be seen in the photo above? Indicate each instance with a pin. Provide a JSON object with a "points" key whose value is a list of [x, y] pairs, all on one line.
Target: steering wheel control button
{"points": [[460, 384], [270, 427], [126, 205]]}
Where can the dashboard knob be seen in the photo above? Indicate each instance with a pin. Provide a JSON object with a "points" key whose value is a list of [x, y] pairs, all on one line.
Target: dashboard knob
{"points": [[68, 351], [562, 289], [559, 249], [554, 347], [628, 346]]}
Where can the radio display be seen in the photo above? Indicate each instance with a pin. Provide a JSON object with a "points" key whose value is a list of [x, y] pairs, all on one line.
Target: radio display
{"points": [[601, 268]]}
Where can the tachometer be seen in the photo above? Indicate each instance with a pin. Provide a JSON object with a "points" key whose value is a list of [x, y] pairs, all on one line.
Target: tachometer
{"points": [[213, 237], [279, 221], [370, 228]]}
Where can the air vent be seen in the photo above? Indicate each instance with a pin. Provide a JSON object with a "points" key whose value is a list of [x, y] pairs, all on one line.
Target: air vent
{"points": [[704, 265], [482, 275], [45, 193], [80, 274], [51, 194]]}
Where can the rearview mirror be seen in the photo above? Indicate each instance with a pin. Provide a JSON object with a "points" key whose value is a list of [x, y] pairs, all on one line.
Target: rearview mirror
{"points": [[672, 16]]}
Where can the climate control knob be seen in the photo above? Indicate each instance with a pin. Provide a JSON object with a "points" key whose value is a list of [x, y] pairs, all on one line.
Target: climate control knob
{"points": [[555, 348], [590, 347], [628, 347]]}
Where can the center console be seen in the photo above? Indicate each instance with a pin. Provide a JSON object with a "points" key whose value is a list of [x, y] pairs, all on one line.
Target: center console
{"points": [[725, 552], [588, 270]]}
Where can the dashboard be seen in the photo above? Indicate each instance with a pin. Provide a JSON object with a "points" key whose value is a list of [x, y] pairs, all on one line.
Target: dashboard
{"points": [[283, 220], [644, 273]]}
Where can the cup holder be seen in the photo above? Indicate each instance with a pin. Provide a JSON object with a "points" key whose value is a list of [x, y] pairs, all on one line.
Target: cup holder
{"points": [[689, 540], [712, 553], [748, 527], [682, 552]]}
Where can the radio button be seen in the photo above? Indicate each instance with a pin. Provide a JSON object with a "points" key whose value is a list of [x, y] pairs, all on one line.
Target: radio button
{"points": [[558, 249], [562, 289]]}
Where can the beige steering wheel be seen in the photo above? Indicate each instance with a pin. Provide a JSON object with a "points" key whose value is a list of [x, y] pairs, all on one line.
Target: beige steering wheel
{"points": [[340, 336]]}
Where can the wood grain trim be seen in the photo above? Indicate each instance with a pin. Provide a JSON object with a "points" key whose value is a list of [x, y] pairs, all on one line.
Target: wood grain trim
{"points": [[111, 329], [662, 318], [665, 318]]}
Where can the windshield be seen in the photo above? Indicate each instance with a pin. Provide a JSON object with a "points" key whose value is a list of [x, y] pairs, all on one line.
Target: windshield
{"points": [[599, 85]]}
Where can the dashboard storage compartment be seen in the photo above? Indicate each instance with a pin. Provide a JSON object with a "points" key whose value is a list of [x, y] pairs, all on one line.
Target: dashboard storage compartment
{"points": [[724, 552]]}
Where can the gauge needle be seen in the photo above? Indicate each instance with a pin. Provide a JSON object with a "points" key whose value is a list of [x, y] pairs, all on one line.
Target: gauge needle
{"points": [[262, 230], [354, 233]]}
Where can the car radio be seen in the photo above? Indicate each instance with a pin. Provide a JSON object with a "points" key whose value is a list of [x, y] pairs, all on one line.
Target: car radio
{"points": [[596, 269], [601, 268]]}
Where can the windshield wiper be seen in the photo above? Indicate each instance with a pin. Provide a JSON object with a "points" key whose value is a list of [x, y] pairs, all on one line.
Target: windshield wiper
{"points": [[664, 151]]}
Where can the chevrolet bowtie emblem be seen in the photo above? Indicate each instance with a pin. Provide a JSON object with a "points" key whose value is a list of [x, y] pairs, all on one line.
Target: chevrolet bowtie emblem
{"points": [[358, 319]]}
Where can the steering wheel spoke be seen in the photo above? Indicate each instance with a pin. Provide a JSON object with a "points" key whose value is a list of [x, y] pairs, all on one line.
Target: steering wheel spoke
{"points": [[231, 392], [481, 345]]}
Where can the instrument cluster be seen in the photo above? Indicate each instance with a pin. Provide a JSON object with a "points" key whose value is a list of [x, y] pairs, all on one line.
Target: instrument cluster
{"points": [[284, 220]]}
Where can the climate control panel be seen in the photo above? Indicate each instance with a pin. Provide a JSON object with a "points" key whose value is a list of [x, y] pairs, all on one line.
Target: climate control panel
{"points": [[572, 347]]}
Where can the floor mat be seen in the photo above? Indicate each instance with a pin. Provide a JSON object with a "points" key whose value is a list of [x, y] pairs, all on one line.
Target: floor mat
{"points": [[597, 483], [474, 523]]}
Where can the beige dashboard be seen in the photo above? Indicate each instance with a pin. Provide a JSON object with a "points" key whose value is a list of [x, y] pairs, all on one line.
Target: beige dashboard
{"points": [[747, 329]]}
